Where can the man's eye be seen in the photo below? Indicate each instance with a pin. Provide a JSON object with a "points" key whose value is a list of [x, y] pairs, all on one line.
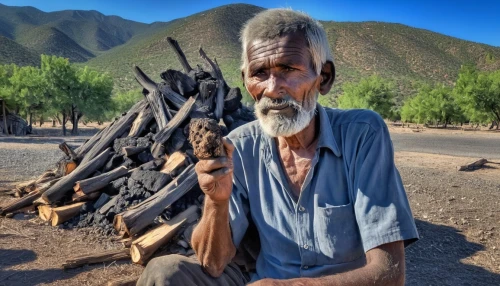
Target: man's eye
{"points": [[287, 68], [258, 73]]}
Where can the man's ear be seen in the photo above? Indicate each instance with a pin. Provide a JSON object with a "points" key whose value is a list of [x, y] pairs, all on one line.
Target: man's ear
{"points": [[327, 77]]}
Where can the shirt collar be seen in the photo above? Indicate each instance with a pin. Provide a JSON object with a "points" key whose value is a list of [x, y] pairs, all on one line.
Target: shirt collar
{"points": [[326, 138]]}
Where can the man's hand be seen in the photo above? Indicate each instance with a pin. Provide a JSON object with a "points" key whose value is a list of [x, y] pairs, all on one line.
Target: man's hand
{"points": [[215, 176]]}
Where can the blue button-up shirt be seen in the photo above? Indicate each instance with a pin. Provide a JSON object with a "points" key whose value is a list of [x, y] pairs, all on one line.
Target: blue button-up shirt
{"points": [[352, 199]]}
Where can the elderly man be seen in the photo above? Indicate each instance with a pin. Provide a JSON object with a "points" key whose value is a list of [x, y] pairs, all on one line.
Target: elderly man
{"points": [[319, 184]]}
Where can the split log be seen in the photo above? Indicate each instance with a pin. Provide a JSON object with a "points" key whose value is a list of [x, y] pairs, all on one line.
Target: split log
{"points": [[140, 216], [76, 198], [70, 167], [131, 150], [180, 82], [183, 113], [83, 149], [145, 246], [473, 166], [45, 212], [68, 151], [64, 213], [141, 122], [175, 163], [116, 130], [124, 281], [95, 184], [173, 97], [180, 54], [58, 190], [154, 98], [106, 256]]}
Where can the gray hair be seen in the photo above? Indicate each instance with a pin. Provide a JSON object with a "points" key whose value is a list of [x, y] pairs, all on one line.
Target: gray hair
{"points": [[272, 23]]}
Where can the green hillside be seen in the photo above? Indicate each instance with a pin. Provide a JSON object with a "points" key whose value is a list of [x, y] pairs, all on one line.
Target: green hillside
{"points": [[404, 54], [14, 53]]}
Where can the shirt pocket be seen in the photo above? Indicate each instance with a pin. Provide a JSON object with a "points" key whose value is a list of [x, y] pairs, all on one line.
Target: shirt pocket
{"points": [[337, 234]]}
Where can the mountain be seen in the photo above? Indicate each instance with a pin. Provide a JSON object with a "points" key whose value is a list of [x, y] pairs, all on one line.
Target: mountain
{"points": [[14, 53], [77, 35], [404, 54]]}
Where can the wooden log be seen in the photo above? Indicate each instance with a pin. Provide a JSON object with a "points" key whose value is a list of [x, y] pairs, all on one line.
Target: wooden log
{"points": [[162, 136], [153, 97], [20, 202], [106, 207], [473, 166], [141, 122], [180, 54], [116, 130], [124, 281], [221, 85], [145, 246], [76, 198], [175, 163], [132, 150], [180, 82], [100, 257], [45, 212], [59, 189], [83, 149], [95, 184], [68, 151], [140, 216], [70, 167], [64, 213]]}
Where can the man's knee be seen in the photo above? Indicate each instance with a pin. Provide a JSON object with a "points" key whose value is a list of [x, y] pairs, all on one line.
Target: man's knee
{"points": [[167, 270]]}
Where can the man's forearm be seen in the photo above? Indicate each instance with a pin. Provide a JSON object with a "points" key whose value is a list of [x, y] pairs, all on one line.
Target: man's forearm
{"points": [[212, 239]]}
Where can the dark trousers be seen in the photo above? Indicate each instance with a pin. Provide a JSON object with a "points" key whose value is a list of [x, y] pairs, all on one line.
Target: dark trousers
{"points": [[180, 270]]}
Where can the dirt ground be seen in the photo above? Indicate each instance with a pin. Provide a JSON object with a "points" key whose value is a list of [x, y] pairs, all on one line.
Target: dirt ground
{"points": [[457, 215]]}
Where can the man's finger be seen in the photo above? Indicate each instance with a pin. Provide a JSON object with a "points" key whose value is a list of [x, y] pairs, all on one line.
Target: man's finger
{"points": [[215, 175], [207, 166], [228, 147]]}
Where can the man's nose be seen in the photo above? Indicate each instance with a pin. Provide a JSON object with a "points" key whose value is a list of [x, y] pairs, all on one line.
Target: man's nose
{"points": [[275, 87]]}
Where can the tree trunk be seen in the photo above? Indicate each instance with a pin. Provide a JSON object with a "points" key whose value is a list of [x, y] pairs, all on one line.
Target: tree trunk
{"points": [[74, 120], [31, 120], [41, 120], [64, 123], [6, 129], [53, 122]]}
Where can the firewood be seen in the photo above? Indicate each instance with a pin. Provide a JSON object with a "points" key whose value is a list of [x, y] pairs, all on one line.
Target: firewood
{"points": [[95, 184], [141, 122], [106, 207], [45, 212], [162, 136], [180, 82], [20, 202], [221, 85], [132, 150], [76, 198], [153, 97], [64, 213], [58, 190], [143, 247], [84, 148], [473, 166], [124, 281], [70, 167], [175, 163], [116, 130], [180, 54], [205, 136], [68, 151], [171, 96], [105, 256], [140, 216]]}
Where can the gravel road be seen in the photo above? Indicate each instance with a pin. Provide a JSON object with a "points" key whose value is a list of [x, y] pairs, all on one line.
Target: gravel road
{"points": [[465, 145]]}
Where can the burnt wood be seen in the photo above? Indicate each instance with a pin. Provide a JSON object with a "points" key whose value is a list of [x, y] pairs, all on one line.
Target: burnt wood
{"points": [[180, 54], [95, 184]]}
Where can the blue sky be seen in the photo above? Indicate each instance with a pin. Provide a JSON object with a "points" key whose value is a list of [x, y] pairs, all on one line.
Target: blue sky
{"points": [[477, 20]]}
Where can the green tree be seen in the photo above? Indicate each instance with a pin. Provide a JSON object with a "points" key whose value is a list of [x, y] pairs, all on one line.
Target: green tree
{"points": [[123, 101], [29, 88], [6, 92], [373, 93], [94, 97], [478, 94]]}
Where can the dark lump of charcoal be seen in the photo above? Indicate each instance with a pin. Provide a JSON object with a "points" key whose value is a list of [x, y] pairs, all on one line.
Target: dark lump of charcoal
{"points": [[205, 136]]}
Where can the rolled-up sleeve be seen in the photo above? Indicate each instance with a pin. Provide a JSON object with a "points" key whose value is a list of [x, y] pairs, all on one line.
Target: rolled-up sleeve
{"points": [[381, 207]]}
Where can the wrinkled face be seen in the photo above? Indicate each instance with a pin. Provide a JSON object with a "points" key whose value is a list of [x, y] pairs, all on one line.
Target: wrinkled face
{"points": [[281, 79]]}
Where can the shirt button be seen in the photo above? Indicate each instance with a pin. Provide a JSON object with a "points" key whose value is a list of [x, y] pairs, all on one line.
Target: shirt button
{"points": [[301, 208], [306, 246], [306, 267]]}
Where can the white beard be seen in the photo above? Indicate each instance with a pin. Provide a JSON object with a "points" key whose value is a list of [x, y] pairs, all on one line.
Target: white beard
{"points": [[278, 125]]}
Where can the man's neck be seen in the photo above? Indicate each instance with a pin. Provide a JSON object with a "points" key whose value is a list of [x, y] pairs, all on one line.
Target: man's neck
{"points": [[304, 139]]}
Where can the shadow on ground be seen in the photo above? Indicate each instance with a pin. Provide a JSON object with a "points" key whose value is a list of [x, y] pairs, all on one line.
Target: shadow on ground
{"points": [[436, 259]]}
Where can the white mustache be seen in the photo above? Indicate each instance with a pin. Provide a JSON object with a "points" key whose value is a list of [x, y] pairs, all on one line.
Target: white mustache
{"points": [[266, 103]]}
